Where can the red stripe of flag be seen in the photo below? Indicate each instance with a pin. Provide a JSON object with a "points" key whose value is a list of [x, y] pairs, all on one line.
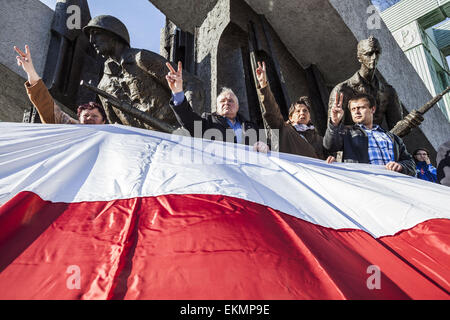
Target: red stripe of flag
{"points": [[207, 247]]}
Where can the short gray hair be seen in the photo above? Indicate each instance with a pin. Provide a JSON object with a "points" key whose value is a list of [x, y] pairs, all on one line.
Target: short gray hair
{"points": [[227, 90]]}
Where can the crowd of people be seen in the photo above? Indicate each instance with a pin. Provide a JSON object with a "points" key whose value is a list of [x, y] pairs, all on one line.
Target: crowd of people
{"points": [[364, 141]]}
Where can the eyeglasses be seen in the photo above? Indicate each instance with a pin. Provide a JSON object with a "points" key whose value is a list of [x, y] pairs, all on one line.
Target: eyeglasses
{"points": [[421, 154]]}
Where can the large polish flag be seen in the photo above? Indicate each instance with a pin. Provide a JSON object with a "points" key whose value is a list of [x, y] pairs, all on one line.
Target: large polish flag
{"points": [[113, 212]]}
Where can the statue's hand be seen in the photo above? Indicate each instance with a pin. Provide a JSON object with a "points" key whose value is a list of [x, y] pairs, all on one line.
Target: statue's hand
{"points": [[175, 78], [414, 118]]}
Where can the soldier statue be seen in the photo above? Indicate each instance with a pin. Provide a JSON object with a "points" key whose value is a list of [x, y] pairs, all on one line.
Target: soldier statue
{"points": [[136, 76], [367, 80]]}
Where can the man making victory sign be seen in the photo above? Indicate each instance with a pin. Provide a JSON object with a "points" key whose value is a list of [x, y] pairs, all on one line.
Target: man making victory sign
{"points": [[226, 123]]}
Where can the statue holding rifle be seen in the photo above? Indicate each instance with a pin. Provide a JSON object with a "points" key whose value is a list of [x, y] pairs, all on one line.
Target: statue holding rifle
{"points": [[415, 117], [135, 76], [133, 90]]}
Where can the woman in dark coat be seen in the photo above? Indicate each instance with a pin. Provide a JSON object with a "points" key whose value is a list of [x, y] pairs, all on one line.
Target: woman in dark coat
{"points": [[297, 135]]}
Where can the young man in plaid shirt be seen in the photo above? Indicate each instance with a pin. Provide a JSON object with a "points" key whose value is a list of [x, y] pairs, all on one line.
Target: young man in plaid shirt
{"points": [[365, 142]]}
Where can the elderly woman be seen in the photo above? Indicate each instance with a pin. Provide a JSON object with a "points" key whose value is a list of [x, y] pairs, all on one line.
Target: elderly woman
{"points": [[297, 135]]}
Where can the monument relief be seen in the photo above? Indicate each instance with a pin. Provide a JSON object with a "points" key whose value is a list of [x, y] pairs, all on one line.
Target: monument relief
{"points": [[135, 76]]}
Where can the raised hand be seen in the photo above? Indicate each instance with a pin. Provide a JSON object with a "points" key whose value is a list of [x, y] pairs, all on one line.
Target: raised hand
{"points": [[24, 61], [261, 74], [175, 78], [337, 113]]}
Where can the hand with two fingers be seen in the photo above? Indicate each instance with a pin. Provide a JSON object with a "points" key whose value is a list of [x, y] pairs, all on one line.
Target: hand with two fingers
{"points": [[175, 78], [261, 74], [337, 112], [24, 61]]}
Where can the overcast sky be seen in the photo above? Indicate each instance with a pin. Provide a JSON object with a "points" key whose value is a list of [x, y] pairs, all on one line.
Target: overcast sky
{"points": [[143, 20]]}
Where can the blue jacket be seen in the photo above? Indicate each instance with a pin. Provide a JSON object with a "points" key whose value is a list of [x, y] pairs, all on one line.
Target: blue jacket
{"points": [[426, 171]]}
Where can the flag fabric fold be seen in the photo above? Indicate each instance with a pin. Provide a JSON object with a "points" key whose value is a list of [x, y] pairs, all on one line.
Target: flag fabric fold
{"points": [[113, 212]]}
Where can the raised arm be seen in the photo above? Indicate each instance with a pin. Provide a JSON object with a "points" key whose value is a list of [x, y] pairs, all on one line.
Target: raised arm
{"points": [[175, 78], [24, 60], [337, 112], [333, 141], [36, 89], [271, 110], [184, 113]]}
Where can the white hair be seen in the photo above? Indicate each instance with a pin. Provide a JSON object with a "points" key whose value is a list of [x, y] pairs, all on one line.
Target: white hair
{"points": [[225, 90]]}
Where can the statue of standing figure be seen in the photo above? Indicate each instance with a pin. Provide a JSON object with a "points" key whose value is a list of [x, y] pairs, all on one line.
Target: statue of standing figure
{"points": [[367, 80], [136, 76]]}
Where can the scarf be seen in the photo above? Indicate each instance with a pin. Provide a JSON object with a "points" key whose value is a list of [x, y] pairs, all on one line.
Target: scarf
{"points": [[303, 127]]}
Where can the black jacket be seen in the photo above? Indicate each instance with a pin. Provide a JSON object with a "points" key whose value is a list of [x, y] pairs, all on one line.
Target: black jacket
{"points": [[354, 143], [187, 117]]}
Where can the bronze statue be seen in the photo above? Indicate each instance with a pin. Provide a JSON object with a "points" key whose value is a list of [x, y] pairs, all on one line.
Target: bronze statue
{"points": [[131, 110], [135, 76], [368, 80]]}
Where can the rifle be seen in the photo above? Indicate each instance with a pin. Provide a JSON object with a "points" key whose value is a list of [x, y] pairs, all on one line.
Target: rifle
{"points": [[132, 111], [415, 117]]}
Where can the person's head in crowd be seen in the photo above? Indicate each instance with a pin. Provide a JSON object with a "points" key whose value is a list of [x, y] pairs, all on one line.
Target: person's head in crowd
{"points": [[91, 113], [362, 108], [227, 104], [421, 155], [300, 112]]}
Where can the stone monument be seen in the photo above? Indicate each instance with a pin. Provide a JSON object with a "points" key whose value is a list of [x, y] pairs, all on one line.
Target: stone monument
{"points": [[309, 45], [36, 33], [134, 75]]}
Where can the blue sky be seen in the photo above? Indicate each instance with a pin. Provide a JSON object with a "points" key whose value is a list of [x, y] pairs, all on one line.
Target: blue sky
{"points": [[384, 4], [143, 20]]}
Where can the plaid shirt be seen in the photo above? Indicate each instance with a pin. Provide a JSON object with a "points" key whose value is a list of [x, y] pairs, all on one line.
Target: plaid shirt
{"points": [[381, 147]]}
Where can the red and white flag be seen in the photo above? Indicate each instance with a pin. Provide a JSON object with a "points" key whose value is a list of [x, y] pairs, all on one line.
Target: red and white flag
{"points": [[113, 212]]}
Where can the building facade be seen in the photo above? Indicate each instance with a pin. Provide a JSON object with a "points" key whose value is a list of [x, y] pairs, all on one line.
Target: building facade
{"points": [[422, 30]]}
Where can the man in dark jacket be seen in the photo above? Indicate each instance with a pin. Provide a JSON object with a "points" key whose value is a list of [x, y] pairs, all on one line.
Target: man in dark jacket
{"points": [[365, 142], [224, 125]]}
